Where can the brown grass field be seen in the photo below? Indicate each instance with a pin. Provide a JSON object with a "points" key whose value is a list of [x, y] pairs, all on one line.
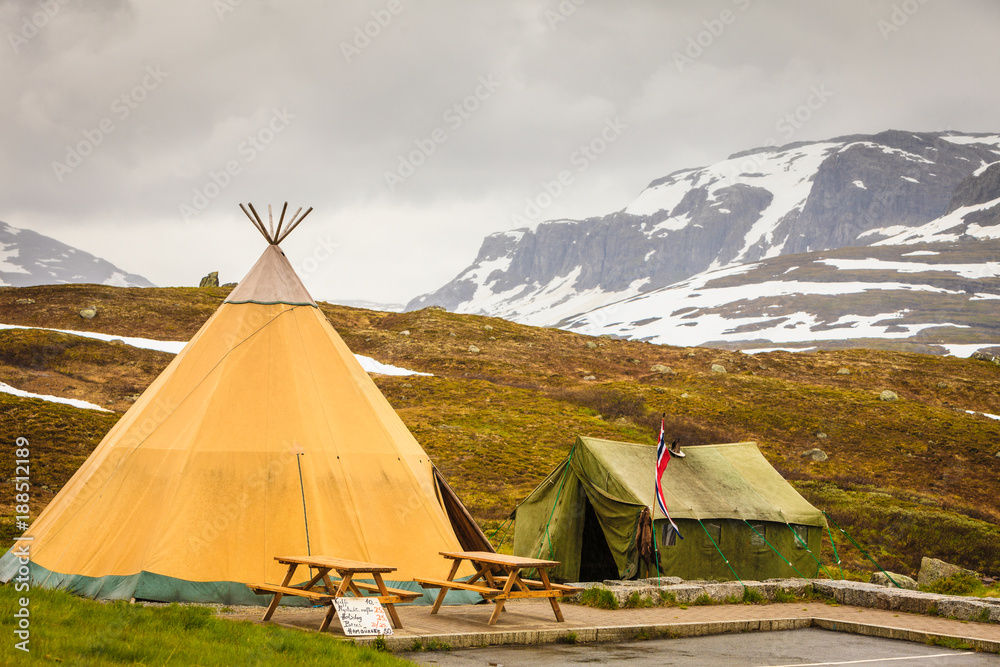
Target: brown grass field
{"points": [[908, 478]]}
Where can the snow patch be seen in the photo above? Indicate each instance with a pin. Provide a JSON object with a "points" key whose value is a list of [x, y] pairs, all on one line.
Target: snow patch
{"points": [[75, 402]]}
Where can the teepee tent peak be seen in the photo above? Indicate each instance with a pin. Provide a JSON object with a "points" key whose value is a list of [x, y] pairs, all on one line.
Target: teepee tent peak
{"points": [[274, 236]]}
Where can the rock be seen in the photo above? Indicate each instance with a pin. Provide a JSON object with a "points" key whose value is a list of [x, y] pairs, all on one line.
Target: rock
{"points": [[116, 341], [718, 368], [589, 377], [690, 354], [685, 395], [901, 580], [89, 313], [942, 385], [844, 371], [473, 349], [662, 370], [997, 455], [932, 569], [887, 395], [229, 285], [984, 356], [404, 332], [406, 385], [815, 455], [487, 327], [591, 345], [24, 302], [211, 280], [441, 308], [822, 436]]}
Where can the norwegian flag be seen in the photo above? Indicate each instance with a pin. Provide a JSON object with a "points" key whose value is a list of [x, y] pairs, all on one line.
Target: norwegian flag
{"points": [[662, 459]]}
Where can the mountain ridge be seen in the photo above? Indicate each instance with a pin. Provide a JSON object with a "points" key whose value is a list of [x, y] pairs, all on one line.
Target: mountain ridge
{"points": [[856, 190], [28, 258]]}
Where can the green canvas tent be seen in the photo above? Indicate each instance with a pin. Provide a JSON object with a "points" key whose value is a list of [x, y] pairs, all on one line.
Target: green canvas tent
{"points": [[586, 514]]}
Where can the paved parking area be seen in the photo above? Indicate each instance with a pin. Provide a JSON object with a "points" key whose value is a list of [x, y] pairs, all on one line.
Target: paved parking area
{"points": [[783, 648]]}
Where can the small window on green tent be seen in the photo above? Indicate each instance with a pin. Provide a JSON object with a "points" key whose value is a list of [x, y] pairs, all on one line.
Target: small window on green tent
{"points": [[803, 533], [669, 536], [715, 530], [758, 536]]}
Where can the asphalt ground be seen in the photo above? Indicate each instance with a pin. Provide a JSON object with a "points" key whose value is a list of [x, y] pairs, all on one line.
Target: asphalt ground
{"points": [[785, 648]]}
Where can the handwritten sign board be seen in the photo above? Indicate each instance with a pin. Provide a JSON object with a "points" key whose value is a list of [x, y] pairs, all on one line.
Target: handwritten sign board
{"points": [[362, 616]]}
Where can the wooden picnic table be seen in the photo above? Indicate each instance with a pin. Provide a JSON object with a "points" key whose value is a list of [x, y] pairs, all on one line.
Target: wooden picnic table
{"points": [[508, 584], [323, 588]]}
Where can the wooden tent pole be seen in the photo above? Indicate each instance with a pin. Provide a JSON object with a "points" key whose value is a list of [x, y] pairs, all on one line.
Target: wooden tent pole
{"points": [[292, 226], [261, 223], [277, 233], [259, 228]]}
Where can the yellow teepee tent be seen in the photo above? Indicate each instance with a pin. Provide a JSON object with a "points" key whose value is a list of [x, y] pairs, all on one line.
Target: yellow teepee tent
{"points": [[205, 479]]}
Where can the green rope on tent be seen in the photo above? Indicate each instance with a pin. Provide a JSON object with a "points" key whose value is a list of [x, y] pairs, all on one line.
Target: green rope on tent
{"points": [[726, 560], [801, 576], [806, 547], [546, 535], [863, 551], [508, 523], [835, 554]]}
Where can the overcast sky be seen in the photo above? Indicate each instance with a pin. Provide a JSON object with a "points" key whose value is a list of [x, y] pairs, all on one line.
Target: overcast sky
{"points": [[133, 129]]}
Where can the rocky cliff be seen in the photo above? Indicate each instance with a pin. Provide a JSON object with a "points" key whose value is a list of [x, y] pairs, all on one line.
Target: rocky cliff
{"points": [[764, 203]]}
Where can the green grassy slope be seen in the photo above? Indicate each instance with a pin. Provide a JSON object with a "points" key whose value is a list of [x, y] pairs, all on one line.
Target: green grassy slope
{"points": [[917, 476]]}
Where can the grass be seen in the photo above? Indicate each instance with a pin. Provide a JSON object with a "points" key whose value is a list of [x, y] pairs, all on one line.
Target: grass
{"points": [[497, 422], [599, 598], [962, 583], [75, 631]]}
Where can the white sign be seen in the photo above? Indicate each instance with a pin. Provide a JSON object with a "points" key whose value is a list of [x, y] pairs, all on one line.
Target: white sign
{"points": [[362, 616]]}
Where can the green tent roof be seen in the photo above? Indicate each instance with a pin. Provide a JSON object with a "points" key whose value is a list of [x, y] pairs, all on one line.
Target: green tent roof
{"points": [[730, 481]]}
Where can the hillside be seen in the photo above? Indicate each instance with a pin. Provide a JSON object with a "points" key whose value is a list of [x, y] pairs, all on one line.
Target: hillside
{"points": [[912, 477], [30, 258], [804, 200]]}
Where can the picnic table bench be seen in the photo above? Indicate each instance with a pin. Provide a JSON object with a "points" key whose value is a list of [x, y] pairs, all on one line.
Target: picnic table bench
{"points": [[323, 588], [499, 588]]}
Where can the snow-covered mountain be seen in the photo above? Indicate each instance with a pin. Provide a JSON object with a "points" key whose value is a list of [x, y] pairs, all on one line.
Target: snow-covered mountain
{"points": [[29, 258], [891, 188], [940, 298]]}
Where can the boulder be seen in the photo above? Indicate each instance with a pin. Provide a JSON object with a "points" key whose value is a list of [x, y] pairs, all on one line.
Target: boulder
{"points": [[211, 280], [89, 313], [887, 395], [901, 580], [661, 369], [982, 355], [932, 569], [591, 345], [589, 377], [815, 455], [24, 302], [844, 371], [473, 349], [487, 327], [404, 332], [718, 368]]}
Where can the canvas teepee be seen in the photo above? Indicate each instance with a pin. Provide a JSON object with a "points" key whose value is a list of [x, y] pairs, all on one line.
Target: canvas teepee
{"points": [[197, 487]]}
